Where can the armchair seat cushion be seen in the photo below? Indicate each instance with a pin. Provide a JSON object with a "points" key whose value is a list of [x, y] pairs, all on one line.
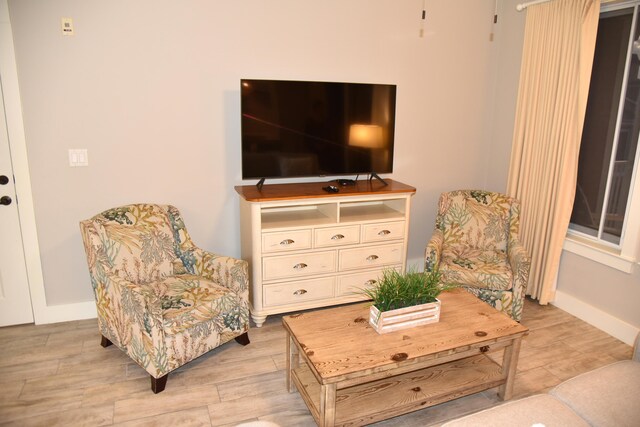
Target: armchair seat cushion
{"points": [[483, 269], [188, 300]]}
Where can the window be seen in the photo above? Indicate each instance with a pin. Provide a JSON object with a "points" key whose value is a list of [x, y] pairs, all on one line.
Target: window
{"points": [[604, 198]]}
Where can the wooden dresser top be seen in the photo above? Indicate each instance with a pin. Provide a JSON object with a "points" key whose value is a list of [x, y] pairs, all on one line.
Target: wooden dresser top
{"points": [[310, 190]]}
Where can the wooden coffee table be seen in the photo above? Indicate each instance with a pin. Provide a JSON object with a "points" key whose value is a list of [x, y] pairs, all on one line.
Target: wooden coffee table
{"points": [[351, 375]]}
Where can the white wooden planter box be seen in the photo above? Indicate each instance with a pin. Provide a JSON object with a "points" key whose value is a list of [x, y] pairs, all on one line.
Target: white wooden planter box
{"points": [[408, 317]]}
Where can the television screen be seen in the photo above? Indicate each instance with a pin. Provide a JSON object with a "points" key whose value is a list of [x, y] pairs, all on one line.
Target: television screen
{"points": [[298, 129]]}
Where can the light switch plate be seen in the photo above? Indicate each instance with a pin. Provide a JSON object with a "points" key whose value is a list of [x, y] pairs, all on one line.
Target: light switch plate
{"points": [[67, 26], [78, 157]]}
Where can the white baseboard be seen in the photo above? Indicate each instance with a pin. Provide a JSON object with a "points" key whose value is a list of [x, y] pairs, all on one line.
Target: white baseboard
{"points": [[594, 316], [65, 312]]}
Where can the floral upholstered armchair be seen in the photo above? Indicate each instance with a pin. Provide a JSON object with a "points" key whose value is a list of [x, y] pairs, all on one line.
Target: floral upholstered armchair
{"points": [[475, 245], [159, 298]]}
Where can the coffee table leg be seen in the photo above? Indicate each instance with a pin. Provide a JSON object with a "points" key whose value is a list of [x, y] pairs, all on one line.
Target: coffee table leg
{"points": [[327, 405], [509, 365], [292, 362]]}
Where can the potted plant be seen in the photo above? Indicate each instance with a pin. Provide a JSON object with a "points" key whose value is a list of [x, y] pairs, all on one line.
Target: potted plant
{"points": [[404, 300]]}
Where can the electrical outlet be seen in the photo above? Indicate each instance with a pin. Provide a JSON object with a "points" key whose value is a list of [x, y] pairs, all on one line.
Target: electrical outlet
{"points": [[78, 157], [67, 26]]}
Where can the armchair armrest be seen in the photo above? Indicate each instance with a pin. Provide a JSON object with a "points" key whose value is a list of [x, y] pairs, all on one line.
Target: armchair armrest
{"points": [[131, 317], [229, 272], [433, 251], [519, 261]]}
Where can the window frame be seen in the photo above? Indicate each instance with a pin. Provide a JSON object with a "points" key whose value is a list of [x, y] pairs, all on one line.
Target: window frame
{"points": [[625, 255]]}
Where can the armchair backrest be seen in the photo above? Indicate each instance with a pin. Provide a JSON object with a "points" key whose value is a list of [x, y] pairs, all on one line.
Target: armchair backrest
{"points": [[480, 219], [140, 243]]}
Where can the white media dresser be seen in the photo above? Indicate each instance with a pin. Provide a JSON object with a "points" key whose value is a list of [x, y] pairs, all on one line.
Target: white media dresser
{"points": [[308, 248]]}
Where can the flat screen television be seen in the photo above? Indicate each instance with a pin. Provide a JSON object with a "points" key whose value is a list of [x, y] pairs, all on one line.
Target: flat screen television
{"points": [[310, 129]]}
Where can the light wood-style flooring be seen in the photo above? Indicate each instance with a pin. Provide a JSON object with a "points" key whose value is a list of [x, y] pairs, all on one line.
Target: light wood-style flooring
{"points": [[59, 375]]}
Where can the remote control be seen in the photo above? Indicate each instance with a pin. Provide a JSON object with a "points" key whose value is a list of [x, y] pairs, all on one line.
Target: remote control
{"points": [[331, 189]]}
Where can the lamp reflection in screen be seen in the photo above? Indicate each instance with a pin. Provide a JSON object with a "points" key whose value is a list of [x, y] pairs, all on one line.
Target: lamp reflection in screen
{"points": [[367, 136], [370, 138]]}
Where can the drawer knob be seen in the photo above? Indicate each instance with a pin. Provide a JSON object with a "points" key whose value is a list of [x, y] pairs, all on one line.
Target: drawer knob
{"points": [[383, 232], [300, 292], [338, 237], [372, 257], [370, 282], [300, 266], [286, 242]]}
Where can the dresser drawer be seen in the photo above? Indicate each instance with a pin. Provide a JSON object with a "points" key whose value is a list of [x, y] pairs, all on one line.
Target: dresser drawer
{"points": [[370, 256], [380, 232], [286, 241], [288, 266], [298, 291], [354, 284], [337, 236]]}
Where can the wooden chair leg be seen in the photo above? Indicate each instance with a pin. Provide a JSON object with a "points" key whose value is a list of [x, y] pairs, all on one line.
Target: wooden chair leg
{"points": [[243, 339], [105, 342], [158, 384]]}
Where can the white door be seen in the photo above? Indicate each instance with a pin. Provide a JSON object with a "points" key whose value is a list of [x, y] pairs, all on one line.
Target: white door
{"points": [[15, 299]]}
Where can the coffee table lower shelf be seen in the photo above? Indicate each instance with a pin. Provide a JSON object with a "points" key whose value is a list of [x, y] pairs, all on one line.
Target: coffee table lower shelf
{"points": [[396, 395]]}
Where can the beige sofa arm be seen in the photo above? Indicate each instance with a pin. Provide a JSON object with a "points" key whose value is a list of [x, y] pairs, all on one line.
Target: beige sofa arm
{"points": [[130, 316], [519, 261], [229, 272], [143, 310], [433, 251]]}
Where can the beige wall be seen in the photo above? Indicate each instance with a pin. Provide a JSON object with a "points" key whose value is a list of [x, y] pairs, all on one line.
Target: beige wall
{"points": [[605, 288], [507, 55], [151, 89]]}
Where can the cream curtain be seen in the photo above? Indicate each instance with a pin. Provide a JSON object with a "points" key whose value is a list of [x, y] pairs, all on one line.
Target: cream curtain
{"points": [[552, 97]]}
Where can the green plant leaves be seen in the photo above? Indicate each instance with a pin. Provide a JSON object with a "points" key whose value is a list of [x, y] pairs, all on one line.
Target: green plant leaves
{"points": [[398, 290]]}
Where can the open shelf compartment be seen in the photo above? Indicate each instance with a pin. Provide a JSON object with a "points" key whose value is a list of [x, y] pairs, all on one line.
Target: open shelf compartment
{"points": [[373, 210], [298, 215], [396, 395]]}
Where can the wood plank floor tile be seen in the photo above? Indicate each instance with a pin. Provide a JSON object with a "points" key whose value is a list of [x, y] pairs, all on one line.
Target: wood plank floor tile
{"points": [[440, 413], [41, 354], [243, 388], [14, 345], [10, 391], [170, 400], [27, 331], [25, 371], [601, 343], [59, 375], [111, 356], [261, 405], [531, 358], [110, 392], [217, 373], [42, 403], [80, 379], [569, 368], [280, 360], [91, 416], [194, 417], [78, 334], [300, 418], [532, 381]]}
